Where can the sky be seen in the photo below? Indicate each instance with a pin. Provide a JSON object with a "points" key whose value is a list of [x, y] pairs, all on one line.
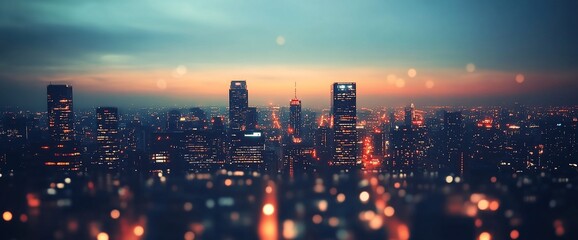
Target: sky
{"points": [[184, 53]]}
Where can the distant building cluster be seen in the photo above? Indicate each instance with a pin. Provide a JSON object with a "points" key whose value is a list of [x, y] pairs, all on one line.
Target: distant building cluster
{"points": [[288, 140]]}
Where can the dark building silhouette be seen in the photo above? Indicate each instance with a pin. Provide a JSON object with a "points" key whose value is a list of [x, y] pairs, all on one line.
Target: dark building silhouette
{"points": [[453, 142], [107, 137], [298, 158], [62, 152], [60, 113], [247, 154], [295, 119], [238, 104], [344, 119], [409, 115], [218, 138], [251, 118], [173, 118]]}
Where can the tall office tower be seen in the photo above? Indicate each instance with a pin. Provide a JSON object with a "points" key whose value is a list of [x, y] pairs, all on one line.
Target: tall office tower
{"points": [[344, 118], [217, 139], [197, 152], [391, 120], [298, 158], [64, 153], [107, 137], [165, 151], [409, 115], [251, 118], [453, 142], [295, 124], [60, 113], [248, 152], [238, 104], [173, 117]]}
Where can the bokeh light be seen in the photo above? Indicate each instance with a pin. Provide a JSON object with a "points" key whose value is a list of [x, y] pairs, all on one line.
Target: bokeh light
{"points": [[412, 72], [268, 209]]}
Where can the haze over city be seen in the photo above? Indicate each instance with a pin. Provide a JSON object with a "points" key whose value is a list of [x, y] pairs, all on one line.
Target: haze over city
{"points": [[145, 53]]}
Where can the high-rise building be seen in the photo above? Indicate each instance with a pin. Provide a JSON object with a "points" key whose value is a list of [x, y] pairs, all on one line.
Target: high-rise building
{"points": [[107, 137], [248, 152], [344, 119], [453, 142], [238, 104], [409, 115], [251, 118], [64, 153], [60, 113], [295, 123], [173, 117]]}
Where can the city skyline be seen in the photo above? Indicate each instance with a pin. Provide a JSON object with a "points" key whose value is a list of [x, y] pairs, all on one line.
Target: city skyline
{"points": [[178, 52], [289, 119]]}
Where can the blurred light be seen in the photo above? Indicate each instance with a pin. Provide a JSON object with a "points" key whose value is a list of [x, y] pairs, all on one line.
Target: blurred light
{"points": [[520, 78], [289, 229], [340, 197], [376, 223], [333, 221], [391, 79], [514, 234], [60, 185], [268, 209], [188, 206], [494, 205], [114, 214], [559, 228], [411, 72], [280, 40], [269, 189], [449, 179], [485, 236], [478, 223], [189, 235], [364, 196], [483, 204], [67, 180], [181, 70], [23, 218], [102, 236], [403, 232], [400, 83], [322, 205], [389, 211], [317, 219], [162, 84], [7, 216], [228, 182], [138, 231], [470, 67]]}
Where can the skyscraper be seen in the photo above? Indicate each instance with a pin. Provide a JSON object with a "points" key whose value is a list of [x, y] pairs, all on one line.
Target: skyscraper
{"points": [[344, 119], [295, 117], [173, 117], [251, 118], [238, 104], [60, 113], [107, 136], [409, 115], [248, 152], [453, 136], [64, 153]]}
